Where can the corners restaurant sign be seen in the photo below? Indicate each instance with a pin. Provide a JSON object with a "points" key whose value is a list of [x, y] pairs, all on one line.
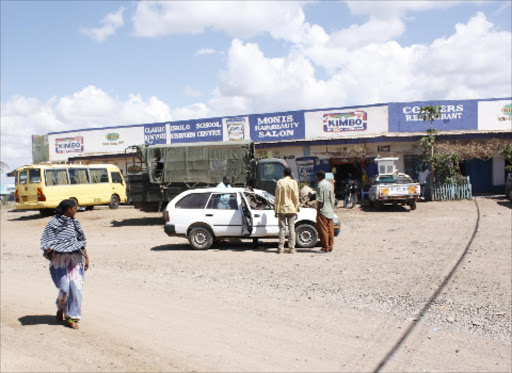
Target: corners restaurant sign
{"points": [[455, 115]]}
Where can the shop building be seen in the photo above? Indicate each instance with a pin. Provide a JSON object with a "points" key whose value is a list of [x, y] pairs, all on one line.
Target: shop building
{"points": [[343, 140]]}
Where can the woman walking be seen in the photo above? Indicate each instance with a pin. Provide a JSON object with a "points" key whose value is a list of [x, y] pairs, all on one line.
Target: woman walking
{"points": [[63, 243]]}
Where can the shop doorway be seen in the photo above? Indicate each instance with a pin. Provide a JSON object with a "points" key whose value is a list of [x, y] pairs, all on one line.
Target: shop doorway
{"points": [[480, 175], [345, 169]]}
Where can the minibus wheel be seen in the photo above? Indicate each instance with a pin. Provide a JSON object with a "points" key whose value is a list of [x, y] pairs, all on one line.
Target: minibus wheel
{"points": [[114, 202]]}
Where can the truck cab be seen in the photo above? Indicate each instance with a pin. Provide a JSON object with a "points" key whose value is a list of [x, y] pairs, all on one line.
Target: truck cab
{"points": [[268, 172]]}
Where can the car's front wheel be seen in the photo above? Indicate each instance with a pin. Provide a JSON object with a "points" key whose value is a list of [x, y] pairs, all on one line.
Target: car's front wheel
{"points": [[306, 235], [200, 238]]}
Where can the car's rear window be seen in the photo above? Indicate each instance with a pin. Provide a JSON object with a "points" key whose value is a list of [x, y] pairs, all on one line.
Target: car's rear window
{"points": [[193, 201], [393, 179]]}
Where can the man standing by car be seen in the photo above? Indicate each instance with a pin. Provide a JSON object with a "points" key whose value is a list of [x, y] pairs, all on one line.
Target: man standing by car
{"points": [[325, 212], [286, 209], [224, 199]]}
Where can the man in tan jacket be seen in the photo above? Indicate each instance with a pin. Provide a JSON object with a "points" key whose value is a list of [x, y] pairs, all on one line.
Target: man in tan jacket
{"points": [[286, 209]]}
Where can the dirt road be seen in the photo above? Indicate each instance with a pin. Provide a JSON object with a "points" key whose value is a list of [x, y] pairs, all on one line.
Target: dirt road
{"points": [[153, 304]]}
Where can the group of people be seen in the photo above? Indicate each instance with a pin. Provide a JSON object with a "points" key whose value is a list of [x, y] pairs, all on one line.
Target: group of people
{"points": [[287, 205], [64, 244]]}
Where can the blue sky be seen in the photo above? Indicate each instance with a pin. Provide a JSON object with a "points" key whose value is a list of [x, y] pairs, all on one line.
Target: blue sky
{"points": [[78, 64]]}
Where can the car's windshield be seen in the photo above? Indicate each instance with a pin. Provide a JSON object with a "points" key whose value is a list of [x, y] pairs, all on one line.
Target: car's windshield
{"points": [[269, 196]]}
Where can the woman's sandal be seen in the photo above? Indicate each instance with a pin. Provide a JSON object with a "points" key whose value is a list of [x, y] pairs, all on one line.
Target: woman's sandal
{"points": [[72, 323]]}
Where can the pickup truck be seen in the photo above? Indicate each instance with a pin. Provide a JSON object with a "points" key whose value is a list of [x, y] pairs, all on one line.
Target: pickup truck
{"points": [[396, 189]]}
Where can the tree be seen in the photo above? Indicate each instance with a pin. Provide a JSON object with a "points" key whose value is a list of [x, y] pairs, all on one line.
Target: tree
{"points": [[430, 113], [507, 152], [444, 165]]}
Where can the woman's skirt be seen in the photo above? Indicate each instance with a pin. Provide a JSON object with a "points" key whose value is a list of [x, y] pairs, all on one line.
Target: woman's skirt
{"points": [[67, 271]]}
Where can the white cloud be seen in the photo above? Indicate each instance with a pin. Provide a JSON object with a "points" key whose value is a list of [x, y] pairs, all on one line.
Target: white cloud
{"points": [[374, 31], [194, 111], [21, 117], [241, 19], [474, 62], [205, 51], [393, 9], [110, 23], [191, 92]]}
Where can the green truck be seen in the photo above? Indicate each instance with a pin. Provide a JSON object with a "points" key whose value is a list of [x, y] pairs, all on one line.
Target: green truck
{"points": [[172, 169]]}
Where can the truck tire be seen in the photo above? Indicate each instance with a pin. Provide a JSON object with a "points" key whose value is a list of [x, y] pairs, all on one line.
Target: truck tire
{"points": [[306, 236], [413, 204], [200, 238], [114, 202]]}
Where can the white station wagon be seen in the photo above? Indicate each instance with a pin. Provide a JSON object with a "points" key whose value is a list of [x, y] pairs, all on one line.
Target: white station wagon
{"points": [[207, 215]]}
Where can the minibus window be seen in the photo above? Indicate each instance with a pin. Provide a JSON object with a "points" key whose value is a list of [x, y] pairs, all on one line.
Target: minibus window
{"points": [[23, 177], [78, 176], [116, 177], [34, 176], [99, 175], [56, 177]]}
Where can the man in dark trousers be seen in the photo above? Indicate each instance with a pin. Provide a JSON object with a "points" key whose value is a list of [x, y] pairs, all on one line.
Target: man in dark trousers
{"points": [[325, 212]]}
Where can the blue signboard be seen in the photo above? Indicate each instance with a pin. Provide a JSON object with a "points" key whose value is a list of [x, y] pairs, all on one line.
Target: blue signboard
{"points": [[455, 115], [204, 130], [277, 126], [155, 134]]}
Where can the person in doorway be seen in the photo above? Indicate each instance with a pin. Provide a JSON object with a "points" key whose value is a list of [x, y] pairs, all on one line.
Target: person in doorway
{"points": [[286, 208], [255, 201], [325, 212], [251, 184], [422, 179], [224, 199], [63, 243]]}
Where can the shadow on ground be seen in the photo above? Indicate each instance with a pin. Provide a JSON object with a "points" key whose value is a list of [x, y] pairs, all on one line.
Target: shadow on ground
{"points": [[387, 208], [232, 245], [139, 222], [39, 320], [36, 216], [505, 203]]}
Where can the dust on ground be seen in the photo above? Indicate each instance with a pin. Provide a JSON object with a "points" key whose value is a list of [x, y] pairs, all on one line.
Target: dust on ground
{"points": [[151, 303]]}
